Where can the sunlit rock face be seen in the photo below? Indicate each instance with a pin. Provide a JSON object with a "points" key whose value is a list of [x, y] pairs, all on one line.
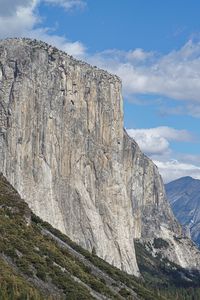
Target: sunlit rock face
{"points": [[63, 147]]}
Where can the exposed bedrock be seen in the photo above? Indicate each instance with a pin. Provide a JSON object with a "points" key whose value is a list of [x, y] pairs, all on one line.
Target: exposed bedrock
{"points": [[63, 147]]}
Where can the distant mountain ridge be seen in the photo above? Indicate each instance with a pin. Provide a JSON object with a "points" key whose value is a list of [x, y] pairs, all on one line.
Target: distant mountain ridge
{"points": [[184, 197]]}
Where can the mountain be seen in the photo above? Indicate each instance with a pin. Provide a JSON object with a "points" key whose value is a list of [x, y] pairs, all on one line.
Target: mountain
{"points": [[184, 197], [38, 262], [64, 149]]}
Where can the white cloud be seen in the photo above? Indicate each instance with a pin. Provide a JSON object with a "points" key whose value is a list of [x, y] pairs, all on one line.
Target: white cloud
{"points": [[20, 19], [189, 158], [191, 109], [138, 55], [149, 143], [175, 75], [67, 4], [155, 141], [8, 7], [173, 169], [77, 49]]}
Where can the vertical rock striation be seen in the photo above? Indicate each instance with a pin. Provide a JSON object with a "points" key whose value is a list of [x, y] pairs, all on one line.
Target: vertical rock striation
{"points": [[63, 147], [145, 188]]}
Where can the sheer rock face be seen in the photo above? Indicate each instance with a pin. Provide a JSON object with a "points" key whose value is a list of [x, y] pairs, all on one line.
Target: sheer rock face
{"points": [[61, 144], [63, 147], [147, 194]]}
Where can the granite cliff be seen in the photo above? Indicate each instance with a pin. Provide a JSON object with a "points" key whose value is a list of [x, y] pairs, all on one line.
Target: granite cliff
{"points": [[64, 149], [39, 262], [184, 197]]}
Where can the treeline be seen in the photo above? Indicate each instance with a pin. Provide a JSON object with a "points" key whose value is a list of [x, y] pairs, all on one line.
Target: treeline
{"points": [[182, 293]]}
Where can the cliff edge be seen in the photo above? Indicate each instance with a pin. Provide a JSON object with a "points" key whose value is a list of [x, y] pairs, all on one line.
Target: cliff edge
{"points": [[64, 149]]}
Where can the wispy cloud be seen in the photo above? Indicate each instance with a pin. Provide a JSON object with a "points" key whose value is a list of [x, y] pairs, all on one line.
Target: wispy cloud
{"points": [[173, 169], [156, 143], [20, 19], [191, 109], [175, 75], [9, 8], [67, 4], [77, 49]]}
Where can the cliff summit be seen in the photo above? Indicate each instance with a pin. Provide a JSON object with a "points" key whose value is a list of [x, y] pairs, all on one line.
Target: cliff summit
{"points": [[64, 149]]}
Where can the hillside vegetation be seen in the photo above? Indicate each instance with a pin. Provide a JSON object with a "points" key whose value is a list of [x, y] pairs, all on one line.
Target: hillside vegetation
{"points": [[39, 262]]}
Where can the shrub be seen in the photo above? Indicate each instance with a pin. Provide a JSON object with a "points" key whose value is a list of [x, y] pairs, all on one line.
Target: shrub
{"points": [[159, 243]]}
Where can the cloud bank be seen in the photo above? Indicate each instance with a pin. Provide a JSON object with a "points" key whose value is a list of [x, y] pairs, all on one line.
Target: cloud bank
{"points": [[175, 75], [173, 169]]}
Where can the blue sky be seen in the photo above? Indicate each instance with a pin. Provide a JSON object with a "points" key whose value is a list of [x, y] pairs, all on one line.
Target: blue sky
{"points": [[154, 46]]}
